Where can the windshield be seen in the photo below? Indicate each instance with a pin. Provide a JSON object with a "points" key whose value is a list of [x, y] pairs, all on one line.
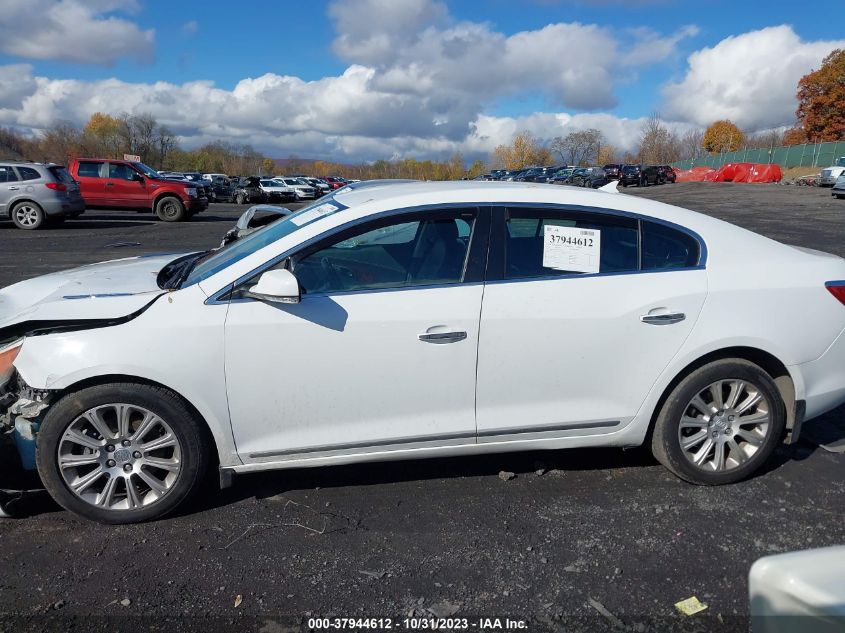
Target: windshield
{"points": [[147, 171], [269, 183], [217, 260]]}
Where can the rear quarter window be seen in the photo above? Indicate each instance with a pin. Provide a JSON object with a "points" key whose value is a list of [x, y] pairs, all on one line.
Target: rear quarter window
{"points": [[665, 248], [28, 173], [61, 174]]}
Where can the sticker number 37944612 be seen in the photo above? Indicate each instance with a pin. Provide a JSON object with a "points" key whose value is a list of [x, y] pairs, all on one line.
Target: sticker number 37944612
{"points": [[571, 248]]}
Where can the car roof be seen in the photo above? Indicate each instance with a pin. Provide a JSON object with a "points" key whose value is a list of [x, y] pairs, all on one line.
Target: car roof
{"points": [[388, 195]]}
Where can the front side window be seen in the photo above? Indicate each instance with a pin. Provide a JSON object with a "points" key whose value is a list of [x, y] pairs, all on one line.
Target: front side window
{"points": [[119, 171], [551, 243], [88, 170], [414, 250]]}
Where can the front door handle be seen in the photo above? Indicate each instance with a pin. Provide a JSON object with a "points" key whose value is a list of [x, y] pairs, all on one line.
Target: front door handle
{"points": [[663, 319], [109, 184], [443, 337], [13, 188]]}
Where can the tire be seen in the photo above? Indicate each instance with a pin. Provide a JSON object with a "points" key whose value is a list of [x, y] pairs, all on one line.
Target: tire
{"points": [[190, 455], [170, 209], [28, 216], [751, 447]]}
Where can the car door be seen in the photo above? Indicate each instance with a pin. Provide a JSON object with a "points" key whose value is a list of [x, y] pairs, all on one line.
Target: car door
{"points": [[578, 322], [124, 187], [380, 353], [91, 176], [9, 188]]}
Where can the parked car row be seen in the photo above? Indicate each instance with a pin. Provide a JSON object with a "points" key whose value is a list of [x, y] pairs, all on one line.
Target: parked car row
{"points": [[640, 175]]}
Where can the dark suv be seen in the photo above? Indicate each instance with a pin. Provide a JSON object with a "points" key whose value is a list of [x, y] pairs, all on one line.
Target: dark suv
{"points": [[32, 194], [666, 174], [613, 171], [639, 175]]}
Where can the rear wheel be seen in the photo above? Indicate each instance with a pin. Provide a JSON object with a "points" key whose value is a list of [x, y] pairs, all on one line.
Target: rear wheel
{"points": [[170, 209], [28, 216], [720, 423], [121, 453]]}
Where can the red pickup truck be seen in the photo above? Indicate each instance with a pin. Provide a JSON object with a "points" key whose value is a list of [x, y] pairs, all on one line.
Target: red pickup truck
{"points": [[113, 184]]}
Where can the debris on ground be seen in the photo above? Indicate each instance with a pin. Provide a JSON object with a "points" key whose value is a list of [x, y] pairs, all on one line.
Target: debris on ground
{"points": [[598, 606], [378, 575], [125, 602], [690, 606], [238, 600], [443, 609], [506, 475]]}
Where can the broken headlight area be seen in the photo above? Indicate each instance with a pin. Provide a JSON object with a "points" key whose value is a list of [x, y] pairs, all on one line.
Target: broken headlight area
{"points": [[21, 411]]}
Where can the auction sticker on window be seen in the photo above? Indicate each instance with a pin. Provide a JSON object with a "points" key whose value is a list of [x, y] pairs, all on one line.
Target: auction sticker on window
{"points": [[571, 248], [313, 214]]}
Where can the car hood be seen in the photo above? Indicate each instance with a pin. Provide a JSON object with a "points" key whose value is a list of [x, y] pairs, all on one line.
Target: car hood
{"points": [[103, 291]]}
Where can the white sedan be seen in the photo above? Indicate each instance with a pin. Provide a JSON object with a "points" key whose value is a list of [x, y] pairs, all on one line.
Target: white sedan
{"points": [[422, 320]]}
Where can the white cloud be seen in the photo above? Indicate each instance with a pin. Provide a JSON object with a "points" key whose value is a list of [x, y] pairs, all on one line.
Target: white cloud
{"points": [[749, 78], [73, 30], [190, 27], [418, 84]]}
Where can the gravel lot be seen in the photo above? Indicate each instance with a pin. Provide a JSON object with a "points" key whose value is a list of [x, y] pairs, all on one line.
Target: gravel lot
{"points": [[577, 540]]}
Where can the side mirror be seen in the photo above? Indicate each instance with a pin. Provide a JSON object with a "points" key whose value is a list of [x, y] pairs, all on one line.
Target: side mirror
{"points": [[276, 286]]}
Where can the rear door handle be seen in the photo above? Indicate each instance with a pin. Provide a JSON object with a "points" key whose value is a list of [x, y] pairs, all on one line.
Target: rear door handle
{"points": [[13, 188], [109, 184], [663, 319], [443, 337]]}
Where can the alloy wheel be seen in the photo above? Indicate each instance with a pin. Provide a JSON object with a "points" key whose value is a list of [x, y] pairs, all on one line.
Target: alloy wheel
{"points": [[119, 457], [27, 215], [724, 425]]}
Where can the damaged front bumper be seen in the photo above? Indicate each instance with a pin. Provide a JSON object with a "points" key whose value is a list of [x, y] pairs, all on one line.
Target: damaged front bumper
{"points": [[21, 411]]}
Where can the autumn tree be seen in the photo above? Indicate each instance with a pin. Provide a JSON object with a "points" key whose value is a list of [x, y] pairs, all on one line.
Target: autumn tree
{"points": [[524, 151], [794, 136], [821, 100], [722, 136]]}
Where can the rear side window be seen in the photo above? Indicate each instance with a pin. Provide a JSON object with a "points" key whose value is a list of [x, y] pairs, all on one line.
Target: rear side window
{"points": [[666, 248], [7, 174], [28, 173], [89, 170], [550, 243]]}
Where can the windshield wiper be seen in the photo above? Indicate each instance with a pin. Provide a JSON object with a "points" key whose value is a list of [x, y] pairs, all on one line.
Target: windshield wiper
{"points": [[176, 272]]}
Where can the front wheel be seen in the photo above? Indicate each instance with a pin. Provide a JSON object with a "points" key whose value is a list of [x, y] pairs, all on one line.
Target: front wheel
{"points": [[720, 423], [121, 453], [170, 209]]}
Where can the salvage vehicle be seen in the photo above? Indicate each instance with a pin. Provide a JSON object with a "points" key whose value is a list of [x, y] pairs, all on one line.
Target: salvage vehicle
{"points": [[303, 190], [35, 194], [838, 190], [248, 189], [829, 175], [110, 183], [424, 319], [253, 219]]}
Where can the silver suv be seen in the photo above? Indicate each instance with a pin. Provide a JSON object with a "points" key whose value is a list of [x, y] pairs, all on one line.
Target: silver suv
{"points": [[32, 194]]}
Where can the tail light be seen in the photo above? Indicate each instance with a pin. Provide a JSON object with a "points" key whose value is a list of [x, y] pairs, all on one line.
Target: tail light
{"points": [[56, 186], [837, 289]]}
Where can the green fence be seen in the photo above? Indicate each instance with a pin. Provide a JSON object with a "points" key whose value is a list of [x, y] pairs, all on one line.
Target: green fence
{"points": [[807, 155]]}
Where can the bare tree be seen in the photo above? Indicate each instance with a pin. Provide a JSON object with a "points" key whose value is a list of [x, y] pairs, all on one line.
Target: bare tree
{"points": [[578, 148], [658, 146]]}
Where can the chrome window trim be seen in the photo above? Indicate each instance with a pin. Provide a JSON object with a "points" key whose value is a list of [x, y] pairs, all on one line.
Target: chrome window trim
{"points": [[214, 299]]}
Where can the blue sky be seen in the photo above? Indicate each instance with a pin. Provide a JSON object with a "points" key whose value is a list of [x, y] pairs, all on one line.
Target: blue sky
{"points": [[193, 41]]}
